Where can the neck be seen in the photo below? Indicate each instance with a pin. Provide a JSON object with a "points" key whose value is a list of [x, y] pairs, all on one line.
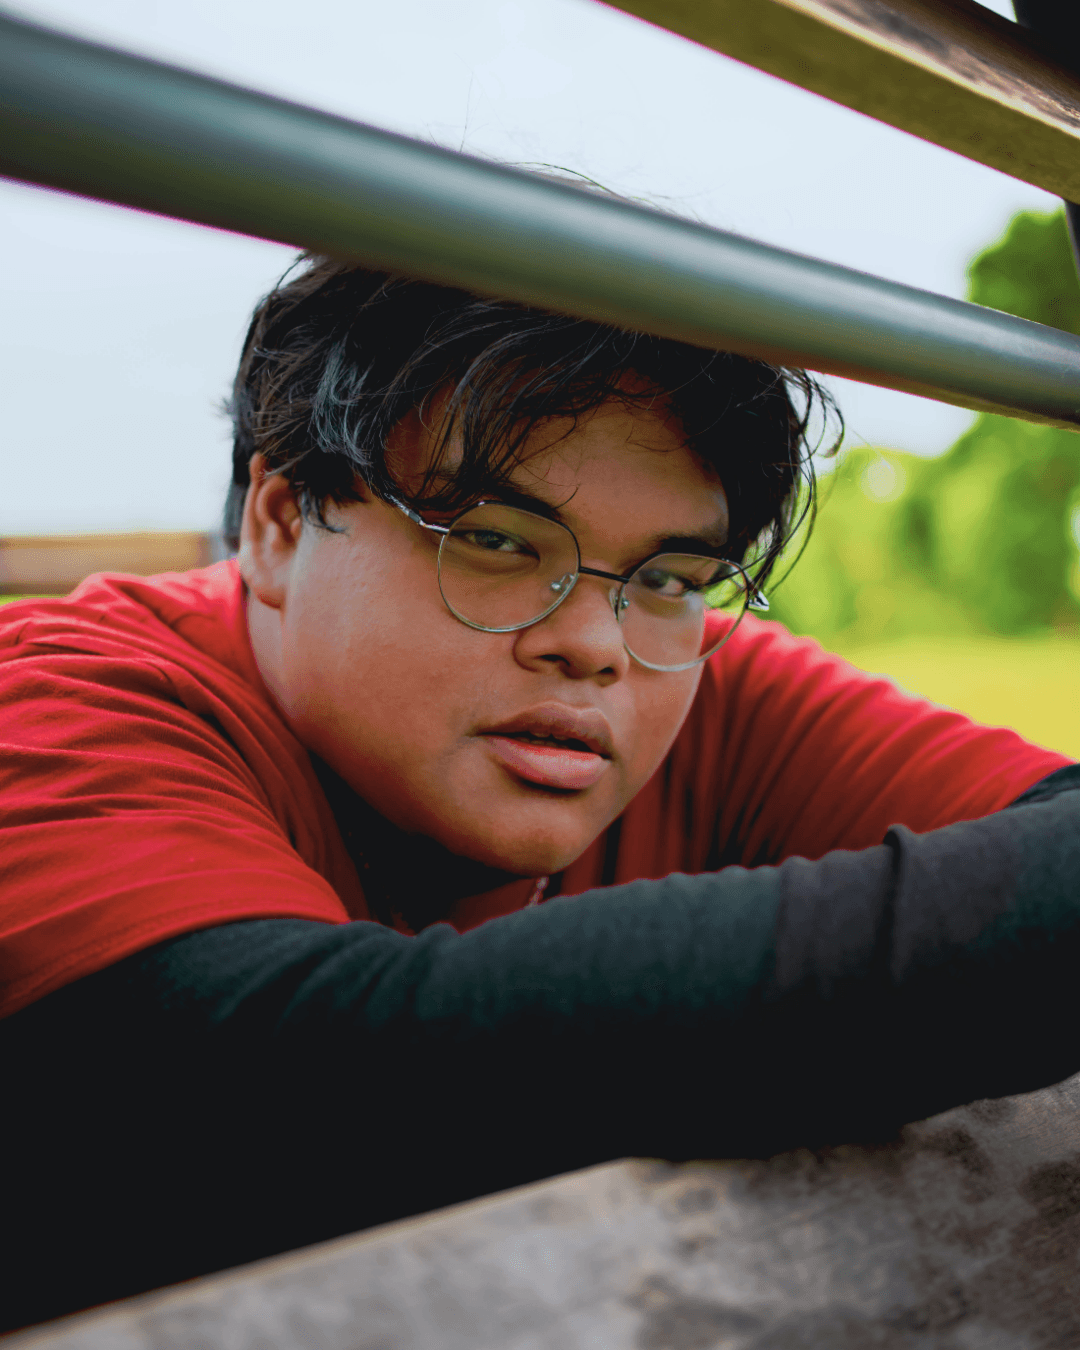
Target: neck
{"points": [[408, 880]]}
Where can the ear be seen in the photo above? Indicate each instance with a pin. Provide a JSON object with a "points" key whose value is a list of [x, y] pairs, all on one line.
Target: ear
{"points": [[269, 533]]}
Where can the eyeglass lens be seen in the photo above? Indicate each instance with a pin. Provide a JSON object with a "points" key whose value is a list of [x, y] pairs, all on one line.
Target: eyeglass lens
{"points": [[501, 568]]}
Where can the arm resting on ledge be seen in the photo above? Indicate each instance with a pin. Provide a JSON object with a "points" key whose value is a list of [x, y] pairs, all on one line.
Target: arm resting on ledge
{"points": [[255, 1087]]}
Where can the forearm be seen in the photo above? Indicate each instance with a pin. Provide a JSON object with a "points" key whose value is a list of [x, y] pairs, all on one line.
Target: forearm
{"points": [[741, 1012], [890, 982]]}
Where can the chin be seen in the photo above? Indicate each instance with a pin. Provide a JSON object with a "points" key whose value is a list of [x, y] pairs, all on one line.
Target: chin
{"points": [[530, 852]]}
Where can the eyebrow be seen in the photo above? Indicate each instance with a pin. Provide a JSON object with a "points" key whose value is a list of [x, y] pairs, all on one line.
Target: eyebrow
{"points": [[710, 539]]}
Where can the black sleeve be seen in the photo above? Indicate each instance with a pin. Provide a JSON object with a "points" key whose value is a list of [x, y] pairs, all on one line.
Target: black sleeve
{"points": [[262, 1085]]}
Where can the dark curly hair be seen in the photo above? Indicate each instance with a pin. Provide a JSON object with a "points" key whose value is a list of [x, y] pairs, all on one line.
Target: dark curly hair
{"points": [[337, 355]]}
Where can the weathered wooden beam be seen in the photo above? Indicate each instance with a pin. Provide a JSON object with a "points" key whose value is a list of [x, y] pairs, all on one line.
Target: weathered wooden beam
{"points": [[963, 1233], [949, 71], [54, 564]]}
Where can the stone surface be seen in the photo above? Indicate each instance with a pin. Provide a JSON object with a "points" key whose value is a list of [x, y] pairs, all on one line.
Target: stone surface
{"points": [[962, 1235]]}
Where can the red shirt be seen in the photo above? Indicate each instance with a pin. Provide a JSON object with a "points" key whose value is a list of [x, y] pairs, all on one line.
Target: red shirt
{"points": [[149, 787]]}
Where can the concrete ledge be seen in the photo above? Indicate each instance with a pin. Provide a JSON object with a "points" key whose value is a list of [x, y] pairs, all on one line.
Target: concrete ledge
{"points": [[963, 1233]]}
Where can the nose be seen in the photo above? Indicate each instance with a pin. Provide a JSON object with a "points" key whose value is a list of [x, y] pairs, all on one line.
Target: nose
{"points": [[581, 636]]}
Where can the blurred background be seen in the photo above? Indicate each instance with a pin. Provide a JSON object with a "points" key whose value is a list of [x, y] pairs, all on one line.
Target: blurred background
{"points": [[946, 549], [958, 574]]}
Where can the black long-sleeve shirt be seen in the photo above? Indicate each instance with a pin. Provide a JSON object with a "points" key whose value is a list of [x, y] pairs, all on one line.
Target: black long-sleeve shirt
{"points": [[257, 1086]]}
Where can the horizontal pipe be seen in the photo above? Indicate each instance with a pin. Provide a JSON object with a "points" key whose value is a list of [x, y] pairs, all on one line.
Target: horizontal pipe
{"points": [[87, 119]]}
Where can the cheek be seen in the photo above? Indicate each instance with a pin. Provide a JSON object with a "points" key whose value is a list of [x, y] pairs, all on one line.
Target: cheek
{"points": [[661, 703], [385, 690], [367, 646]]}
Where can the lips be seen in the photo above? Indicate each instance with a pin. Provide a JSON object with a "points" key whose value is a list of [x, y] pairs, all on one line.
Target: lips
{"points": [[554, 746]]}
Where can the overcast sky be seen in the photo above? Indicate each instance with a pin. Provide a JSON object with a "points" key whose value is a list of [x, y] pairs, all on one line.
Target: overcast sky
{"points": [[120, 330]]}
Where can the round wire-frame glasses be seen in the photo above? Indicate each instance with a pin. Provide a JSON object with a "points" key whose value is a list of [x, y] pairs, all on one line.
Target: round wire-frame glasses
{"points": [[502, 568]]}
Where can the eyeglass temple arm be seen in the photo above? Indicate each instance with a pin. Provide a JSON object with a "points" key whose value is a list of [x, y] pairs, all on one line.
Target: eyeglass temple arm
{"points": [[417, 519]]}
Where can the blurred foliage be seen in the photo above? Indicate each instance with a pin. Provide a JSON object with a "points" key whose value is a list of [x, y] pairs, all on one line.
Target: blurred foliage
{"points": [[1030, 271], [983, 539]]}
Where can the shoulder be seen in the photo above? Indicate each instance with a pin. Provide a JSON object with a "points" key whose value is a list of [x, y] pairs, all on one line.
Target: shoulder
{"points": [[149, 785], [160, 668], [797, 751], [765, 666], [199, 613]]}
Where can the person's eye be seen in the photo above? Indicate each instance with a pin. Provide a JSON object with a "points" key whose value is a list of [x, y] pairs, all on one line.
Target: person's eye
{"points": [[667, 585], [495, 541]]}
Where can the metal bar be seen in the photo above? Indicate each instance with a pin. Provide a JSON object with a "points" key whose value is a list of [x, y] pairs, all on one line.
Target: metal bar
{"points": [[948, 71], [106, 124]]}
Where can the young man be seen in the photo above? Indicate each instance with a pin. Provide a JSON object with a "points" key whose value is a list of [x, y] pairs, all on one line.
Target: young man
{"points": [[289, 844]]}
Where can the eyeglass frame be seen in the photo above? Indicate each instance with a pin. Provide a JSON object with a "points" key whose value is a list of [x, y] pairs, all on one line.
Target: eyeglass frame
{"points": [[755, 599]]}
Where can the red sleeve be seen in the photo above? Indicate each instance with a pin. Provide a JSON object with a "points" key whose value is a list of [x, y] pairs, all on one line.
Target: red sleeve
{"points": [[141, 798], [789, 750]]}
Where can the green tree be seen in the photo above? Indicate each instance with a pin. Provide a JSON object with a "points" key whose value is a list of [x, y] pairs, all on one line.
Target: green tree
{"points": [[985, 537], [1030, 272], [868, 572]]}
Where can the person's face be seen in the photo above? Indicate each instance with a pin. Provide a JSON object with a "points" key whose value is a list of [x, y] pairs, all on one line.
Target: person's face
{"points": [[441, 727]]}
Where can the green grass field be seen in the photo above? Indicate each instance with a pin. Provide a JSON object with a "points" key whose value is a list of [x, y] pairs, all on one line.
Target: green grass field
{"points": [[1029, 684]]}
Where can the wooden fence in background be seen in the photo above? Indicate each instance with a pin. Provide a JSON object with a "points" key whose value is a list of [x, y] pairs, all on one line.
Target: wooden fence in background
{"points": [[55, 564]]}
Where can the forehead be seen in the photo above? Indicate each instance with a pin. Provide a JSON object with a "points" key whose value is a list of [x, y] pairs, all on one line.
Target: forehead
{"points": [[624, 466]]}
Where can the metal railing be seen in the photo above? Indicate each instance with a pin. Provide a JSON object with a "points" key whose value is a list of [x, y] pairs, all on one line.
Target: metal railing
{"points": [[106, 124]]}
